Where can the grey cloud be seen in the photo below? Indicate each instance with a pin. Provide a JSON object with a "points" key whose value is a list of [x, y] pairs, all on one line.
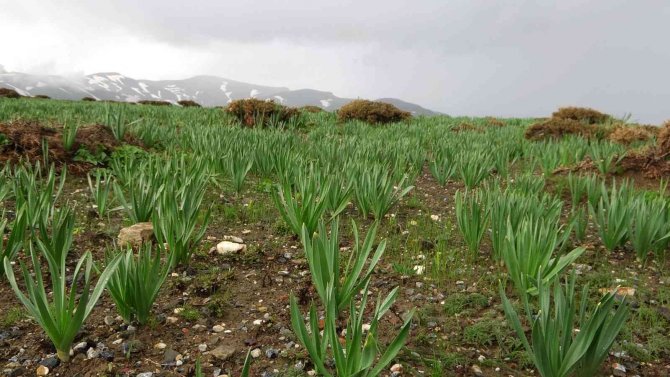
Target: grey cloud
{"points": [[476, 57]]}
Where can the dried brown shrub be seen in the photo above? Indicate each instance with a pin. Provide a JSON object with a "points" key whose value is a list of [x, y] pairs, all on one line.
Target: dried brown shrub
{"points": [[628, 135], [311, 109], [25, 140], [557, 128], [466, 127], [9, 93], [188, 103], [89, 99], [42, 96], [372, 112], [495, 122], [155, 103], [581, 114], [664, 139], [252, 111]]}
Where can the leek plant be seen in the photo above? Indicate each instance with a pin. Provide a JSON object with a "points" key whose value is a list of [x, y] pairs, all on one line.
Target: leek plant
{"points": [[578, 189], [648, 225], [304, 207], [236, 166], [100, 188], [69, 135], [579, 221], [473, 167], [528, 253], [557, 350], [61, 313], [472, 217], [442, 165], [11, 246], [606, 156], [135, 284], [612, 215], [177, 222], [377, 191], [59, 241], [359, 355], [323, 256], [144, 192], [36, 194]]}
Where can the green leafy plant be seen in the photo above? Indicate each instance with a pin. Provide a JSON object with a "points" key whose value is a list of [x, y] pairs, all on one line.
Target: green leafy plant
{"points": [[62, 313], [357, 356], [557, 350], [303, 207], [69, 135], [528, 253], [323, 256], [472, 217], [612, 215], [648, 225], [144, 193], [135, 284], [11, 246], [59, 240], [100, 189], [377, 192]]}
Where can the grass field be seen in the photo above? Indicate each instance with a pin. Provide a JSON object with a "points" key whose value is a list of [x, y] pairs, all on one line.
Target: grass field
{"points": [[501, 248]]}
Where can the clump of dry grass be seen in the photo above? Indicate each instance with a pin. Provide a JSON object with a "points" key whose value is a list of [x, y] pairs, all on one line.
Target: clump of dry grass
{"points": [[556, 128], [495, 122], [663, 139], [42, 96], [372, 112], [311, 109], [628, 135], [89, 99], [188, 103], [582, 115], [154, 103], [466, 127], [9, 93], [251, 112]]}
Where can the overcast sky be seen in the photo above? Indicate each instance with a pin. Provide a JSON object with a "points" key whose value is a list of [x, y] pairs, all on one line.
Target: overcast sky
{"points": [[469, 57]]}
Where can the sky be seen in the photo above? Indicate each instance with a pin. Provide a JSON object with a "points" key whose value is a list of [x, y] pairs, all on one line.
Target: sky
{"points": [[461, 57]]}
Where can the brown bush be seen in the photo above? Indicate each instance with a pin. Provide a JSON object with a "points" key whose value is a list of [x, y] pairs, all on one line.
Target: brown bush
{"points": [[155, 103], [311, 109], [372, 112], [581, 114], [252, 111], [9, 93], [556, 128], [188, 103], [42, 96], [491, 121], [664, 139], [466, 127], [628, 135], [89, 99], [25, 138]]}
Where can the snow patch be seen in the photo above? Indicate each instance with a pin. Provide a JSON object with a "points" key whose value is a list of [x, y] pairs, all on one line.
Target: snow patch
{"points": [[280, 98], [254, 93], [326, 102], [144, 87]]}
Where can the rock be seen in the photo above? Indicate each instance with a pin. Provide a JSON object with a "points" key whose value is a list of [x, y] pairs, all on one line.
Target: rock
{"points": [[50, 362], [92, 353], [42, 370], [145, 374], [135, 235], [132, 346], [227, 247], [256, 353], [223, 352], [396, 368], [170, 356], [476, 370], [171, 320], [271, 353], [620, 292], [233, 239], [218, 328], [202, 347], [107, 355], [419, 270], [618, 370], [160, 346], [79, 347]]}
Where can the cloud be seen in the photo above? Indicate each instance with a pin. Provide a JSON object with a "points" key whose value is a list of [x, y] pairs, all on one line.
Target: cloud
{"points": [[477, 57]]}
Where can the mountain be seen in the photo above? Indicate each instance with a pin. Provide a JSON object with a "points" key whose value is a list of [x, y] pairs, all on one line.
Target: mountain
{"points": [[206, 90]]}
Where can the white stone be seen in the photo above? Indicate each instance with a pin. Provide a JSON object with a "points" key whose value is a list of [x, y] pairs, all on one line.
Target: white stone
{"points": [[227, 247], [256, 353]]}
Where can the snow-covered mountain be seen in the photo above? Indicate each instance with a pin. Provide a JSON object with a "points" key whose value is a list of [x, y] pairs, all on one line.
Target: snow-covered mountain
{"points": [[206, 90]]}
